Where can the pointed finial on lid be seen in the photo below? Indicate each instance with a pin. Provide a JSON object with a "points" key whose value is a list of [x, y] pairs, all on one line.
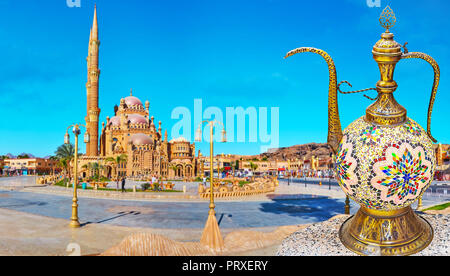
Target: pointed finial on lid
{"points": [[388, 19], [131, 92]]}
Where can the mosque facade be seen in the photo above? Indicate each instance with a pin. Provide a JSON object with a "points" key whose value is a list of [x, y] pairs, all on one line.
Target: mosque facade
{"points": [[130, 133]]}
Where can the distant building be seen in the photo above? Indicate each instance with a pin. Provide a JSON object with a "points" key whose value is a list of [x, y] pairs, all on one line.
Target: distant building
{"points": [[2, 164], [293, 167], [443, 162], [31, 166], [225, 163]]}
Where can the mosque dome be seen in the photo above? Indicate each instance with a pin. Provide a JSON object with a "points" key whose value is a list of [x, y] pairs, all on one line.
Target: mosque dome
{"points": [[114, 121], [132, 101], [141, 139], [137, 119]]}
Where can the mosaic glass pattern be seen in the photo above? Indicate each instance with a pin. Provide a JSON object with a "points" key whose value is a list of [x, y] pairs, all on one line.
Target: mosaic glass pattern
{"points": [[385, 168]]}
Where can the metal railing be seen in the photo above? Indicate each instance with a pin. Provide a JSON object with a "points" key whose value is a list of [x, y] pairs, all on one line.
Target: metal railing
{"points": [[439, 189]]}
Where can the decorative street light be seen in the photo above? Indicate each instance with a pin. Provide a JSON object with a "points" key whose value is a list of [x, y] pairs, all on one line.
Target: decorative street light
{"points": [[74, 223], [211, 234], [347, 205], [160, 165], [419, 203]]}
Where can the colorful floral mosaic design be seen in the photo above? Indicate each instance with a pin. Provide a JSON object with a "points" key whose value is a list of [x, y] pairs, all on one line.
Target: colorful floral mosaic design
{"points": [[385, 168], [403, 173], [371, 135], [412, 128], [345, 165]]}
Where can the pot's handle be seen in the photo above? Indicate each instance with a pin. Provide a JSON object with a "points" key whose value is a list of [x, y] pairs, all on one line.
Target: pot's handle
{"points": [[437, 75]]}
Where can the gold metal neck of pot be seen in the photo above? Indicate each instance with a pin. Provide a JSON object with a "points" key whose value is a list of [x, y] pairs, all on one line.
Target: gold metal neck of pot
{"points": [[387, 53]]}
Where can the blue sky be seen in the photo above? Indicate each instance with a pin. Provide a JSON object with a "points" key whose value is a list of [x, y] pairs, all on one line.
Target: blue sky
{"points": [[227, 53]]}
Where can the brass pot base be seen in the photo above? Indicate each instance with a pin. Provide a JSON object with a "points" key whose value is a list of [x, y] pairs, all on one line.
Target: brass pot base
{"points": [[391, 233]]}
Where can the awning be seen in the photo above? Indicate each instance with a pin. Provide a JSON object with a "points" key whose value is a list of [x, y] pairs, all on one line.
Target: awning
{"points": [[281, 169]]}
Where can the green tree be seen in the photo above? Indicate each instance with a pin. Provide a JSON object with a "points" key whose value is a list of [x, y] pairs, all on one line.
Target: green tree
{"points": [[64, 165], [117, 161], [221, 170], [253, 167], [88, 167], [174, 168], [66, 151], [65, 155]]}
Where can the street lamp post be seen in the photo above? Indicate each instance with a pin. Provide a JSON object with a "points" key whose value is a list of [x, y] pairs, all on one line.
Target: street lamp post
{"points": [[211, 234], [160, 167], [347, 205], [98, 167], [419, 203], [74, 223], [329, 179]]}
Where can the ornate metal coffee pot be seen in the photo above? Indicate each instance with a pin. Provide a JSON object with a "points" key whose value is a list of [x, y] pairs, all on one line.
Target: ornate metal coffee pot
{"points": [[384, 160]]}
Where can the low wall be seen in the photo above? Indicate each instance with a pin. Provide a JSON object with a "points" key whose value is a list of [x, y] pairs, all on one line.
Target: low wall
{"points": [[223, 189]]}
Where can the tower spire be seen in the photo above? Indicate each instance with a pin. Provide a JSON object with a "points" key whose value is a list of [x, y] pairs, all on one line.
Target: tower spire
{"points": [[93, 111], [95, 25]]}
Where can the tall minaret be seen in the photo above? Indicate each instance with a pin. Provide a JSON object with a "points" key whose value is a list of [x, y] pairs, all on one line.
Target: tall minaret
{"points": [[93, 111]]}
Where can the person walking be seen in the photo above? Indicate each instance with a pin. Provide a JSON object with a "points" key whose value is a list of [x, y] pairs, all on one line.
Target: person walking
{"points": [[123, 185]]}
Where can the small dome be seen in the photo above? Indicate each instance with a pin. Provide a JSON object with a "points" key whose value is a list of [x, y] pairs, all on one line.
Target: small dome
{"points": [[179, 140], [141, 139], [114, 121], [137, 119], [132, 101]]}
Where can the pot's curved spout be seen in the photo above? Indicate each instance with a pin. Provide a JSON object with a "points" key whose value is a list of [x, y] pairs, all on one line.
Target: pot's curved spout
{"points": [[334, 122]]}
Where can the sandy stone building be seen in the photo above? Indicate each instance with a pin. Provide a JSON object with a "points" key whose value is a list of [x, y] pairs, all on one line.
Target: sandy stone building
{"points": [[131, 132], [30, 166], [443, 162]]}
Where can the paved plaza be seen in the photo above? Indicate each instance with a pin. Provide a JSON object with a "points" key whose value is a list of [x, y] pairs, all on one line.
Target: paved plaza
{"points": [[278, 209]]}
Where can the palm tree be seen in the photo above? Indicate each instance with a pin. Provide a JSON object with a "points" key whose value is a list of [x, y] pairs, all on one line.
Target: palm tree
{"points": [[65, 155], [174, 168], [253, 167], [88, 167], [117, 161], [64, 165], [98, 168], [220, 171], [66, 151]]}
